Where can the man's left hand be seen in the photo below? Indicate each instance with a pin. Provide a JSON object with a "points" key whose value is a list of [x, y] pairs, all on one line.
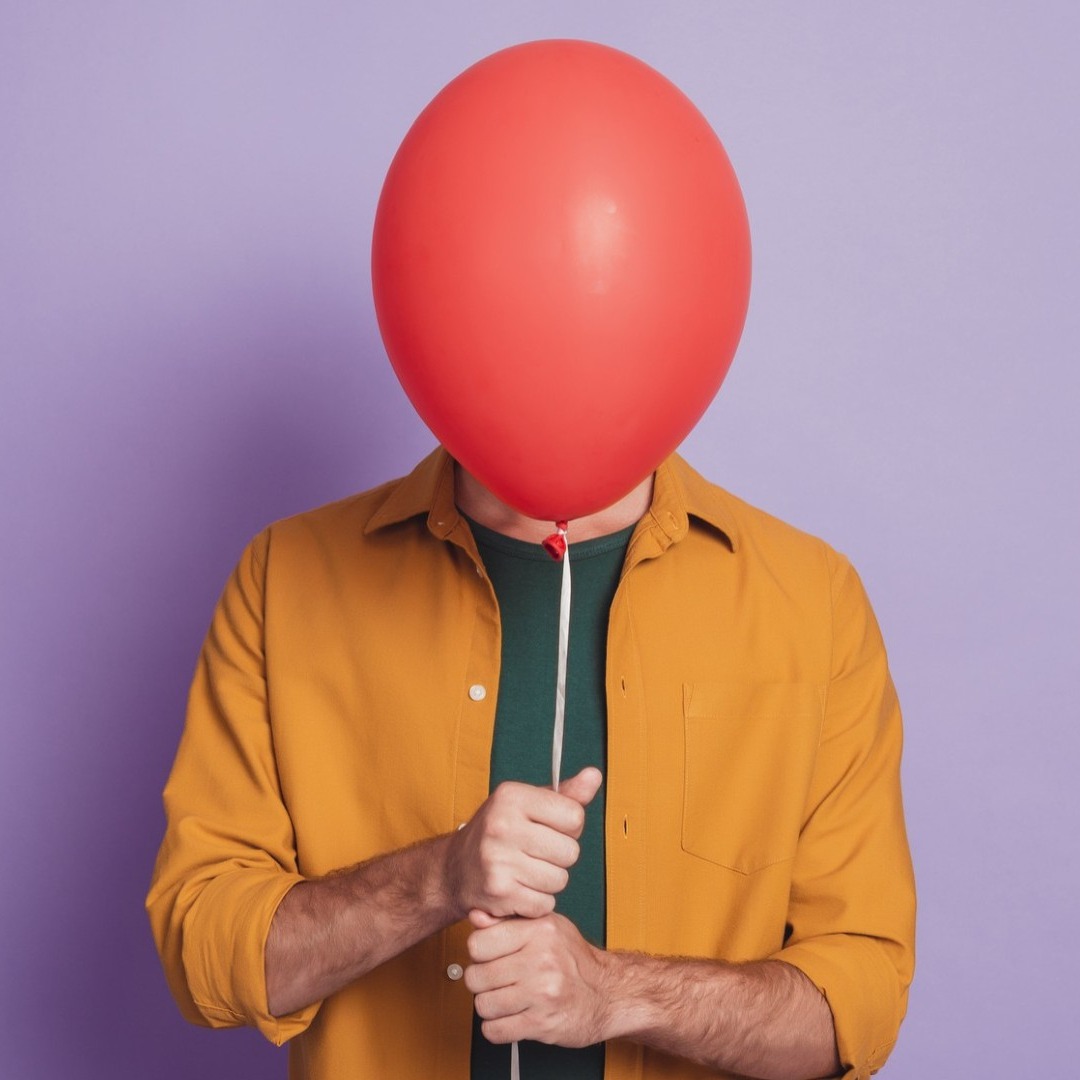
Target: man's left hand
{"points": [[536, 979]]}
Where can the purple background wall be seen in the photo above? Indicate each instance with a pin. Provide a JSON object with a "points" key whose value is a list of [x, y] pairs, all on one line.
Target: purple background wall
{"points": [[189, 351]]}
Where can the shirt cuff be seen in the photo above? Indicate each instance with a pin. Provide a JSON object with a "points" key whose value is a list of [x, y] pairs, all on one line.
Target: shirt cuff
{"points": [[864, 993], [224, 951]]}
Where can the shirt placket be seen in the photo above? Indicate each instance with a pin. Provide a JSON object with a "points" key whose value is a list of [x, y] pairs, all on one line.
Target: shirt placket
{"points": [[471, 759], [628, 777]]}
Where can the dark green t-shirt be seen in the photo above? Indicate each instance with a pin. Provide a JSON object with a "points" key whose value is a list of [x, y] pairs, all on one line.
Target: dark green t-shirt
{"points": [[527, 582]]}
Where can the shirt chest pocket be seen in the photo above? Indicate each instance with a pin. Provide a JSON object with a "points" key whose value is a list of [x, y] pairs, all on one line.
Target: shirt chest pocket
{"points": [[750, 751]]}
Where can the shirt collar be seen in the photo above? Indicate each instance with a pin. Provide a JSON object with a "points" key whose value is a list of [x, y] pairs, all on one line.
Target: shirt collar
{"points": [[679, 493], [428, 489]]}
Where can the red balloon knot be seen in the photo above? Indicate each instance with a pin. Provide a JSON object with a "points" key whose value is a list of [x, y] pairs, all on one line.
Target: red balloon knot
{"points": [[555, 544]]}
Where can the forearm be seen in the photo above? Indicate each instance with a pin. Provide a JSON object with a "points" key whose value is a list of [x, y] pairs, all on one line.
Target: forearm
{"points": [[764, 1019], [330, 931]]}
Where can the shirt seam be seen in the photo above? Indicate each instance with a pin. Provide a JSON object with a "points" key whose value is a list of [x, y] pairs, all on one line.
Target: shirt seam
{"points": [[832, 643], [455, 811], [219, 1009], [644, 757]]}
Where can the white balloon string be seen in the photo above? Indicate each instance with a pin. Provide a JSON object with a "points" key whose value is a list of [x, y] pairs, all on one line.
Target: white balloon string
{"points": [[560, 676], [560, 717]]}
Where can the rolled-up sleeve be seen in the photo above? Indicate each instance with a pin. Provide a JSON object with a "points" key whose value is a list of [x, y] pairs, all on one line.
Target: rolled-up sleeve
{"points": [[852, 907], [229, 854]]}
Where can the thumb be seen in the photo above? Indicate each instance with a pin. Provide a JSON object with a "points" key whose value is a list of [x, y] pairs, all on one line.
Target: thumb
{"points": [[583, 787]]}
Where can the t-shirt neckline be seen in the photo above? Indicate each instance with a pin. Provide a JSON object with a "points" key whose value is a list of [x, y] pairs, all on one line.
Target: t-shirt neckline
{"points": [[528, 549]]}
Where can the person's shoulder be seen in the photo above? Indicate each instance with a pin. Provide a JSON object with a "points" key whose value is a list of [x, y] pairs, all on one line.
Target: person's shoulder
{"points": [[365, 513], [753, 532], [351, 512]]}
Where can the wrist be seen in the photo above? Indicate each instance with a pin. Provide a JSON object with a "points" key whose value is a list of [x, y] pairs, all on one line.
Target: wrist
{"points": [[626, 1009], [445, 884]]}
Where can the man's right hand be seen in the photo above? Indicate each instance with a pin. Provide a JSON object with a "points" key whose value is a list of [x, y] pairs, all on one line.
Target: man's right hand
{"points": [[514, 855], [510, 859]]}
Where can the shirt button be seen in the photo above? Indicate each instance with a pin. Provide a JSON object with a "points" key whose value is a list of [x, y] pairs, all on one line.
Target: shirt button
{"points": [[477, 692], [454, 971]]}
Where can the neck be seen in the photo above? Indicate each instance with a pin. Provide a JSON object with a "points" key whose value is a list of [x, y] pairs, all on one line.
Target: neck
{"points": [[484, 506]]}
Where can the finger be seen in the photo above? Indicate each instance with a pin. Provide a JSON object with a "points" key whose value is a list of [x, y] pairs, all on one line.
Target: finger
{"points": [[583, 787], [495, 974], [481, 919], [542, 806], [520, 901], [508, 1029], [500, 1003], [552, 846], [506, 937], [542, 877], [532, 904]]}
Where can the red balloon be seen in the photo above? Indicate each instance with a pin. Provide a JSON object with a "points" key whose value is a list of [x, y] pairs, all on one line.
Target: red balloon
{"points": [[561, 269]]}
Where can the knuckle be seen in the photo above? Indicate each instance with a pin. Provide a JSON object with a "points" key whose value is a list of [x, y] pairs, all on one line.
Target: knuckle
{"points": [[488, 849], [497, 1031], [545, 905], [483, 849], [494, 829], [500, 883], [532, 908], [506, 793]]}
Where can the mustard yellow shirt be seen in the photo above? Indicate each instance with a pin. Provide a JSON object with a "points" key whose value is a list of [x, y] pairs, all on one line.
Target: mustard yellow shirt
{"points": [[343, 706]]}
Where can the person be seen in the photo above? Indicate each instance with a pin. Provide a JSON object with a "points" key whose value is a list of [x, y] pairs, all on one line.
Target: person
{"points": [[363, 857]]}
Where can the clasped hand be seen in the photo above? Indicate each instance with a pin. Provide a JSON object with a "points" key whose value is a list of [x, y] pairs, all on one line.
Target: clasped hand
{"points": [[533, 974]]}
